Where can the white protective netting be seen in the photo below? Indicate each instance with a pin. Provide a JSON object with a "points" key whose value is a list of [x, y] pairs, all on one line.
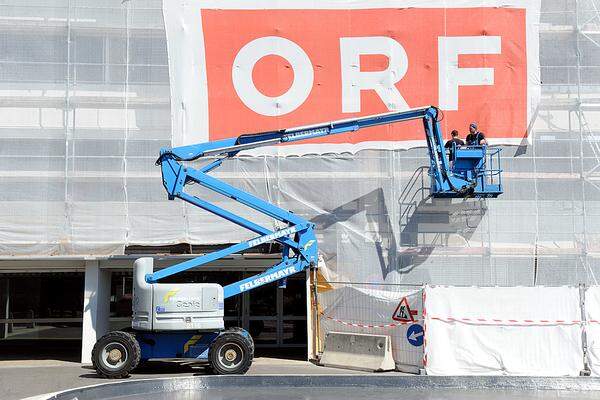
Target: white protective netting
{"points": [[85, 107]]}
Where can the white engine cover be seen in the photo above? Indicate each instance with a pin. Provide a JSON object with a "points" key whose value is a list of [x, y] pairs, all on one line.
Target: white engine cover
{"points": [[180, 306]]}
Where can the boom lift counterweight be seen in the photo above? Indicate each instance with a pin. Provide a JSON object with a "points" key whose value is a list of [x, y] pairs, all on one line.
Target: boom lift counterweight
{"points": [[186, 320]]}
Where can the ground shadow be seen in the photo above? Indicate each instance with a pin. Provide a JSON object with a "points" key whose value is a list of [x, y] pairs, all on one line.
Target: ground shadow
{"points": [[156, 368], [159, 367], [45, 349]]}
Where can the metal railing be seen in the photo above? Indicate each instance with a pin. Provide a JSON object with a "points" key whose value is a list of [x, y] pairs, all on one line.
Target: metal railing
{"points": [[491, 174]]}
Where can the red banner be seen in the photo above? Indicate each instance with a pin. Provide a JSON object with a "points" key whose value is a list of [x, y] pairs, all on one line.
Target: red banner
{"points": [[271, 69]]}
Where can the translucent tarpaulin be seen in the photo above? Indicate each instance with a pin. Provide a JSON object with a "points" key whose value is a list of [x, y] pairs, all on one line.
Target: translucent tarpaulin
{"points": [[527, 331], [85, 107]]}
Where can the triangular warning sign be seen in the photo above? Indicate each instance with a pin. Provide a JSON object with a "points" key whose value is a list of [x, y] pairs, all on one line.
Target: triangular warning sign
{"points": [[403, 313]]}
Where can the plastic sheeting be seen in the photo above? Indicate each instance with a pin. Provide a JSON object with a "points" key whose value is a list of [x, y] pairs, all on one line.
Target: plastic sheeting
{"points": [[85, 105], [503, 331], [592, 316]]}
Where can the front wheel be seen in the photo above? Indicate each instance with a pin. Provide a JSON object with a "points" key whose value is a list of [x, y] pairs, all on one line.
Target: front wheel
{"points": [[116, 354], [231, 353]]}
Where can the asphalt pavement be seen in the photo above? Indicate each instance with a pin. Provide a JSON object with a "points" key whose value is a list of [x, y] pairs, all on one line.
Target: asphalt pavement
{"points": [[25, 378]]}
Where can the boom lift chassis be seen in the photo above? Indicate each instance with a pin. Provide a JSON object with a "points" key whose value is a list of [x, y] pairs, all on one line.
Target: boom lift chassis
{"points": [[185, 321]]}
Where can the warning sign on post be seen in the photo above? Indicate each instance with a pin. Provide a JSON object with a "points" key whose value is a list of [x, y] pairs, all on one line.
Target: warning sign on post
{"points": [[403, 313]]}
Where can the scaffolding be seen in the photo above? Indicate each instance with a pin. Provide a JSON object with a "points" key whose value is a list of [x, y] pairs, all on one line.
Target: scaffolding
{"points": [[85, 106]]}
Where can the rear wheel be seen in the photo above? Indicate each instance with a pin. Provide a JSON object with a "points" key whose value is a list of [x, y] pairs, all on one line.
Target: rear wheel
{"points": [[116, 354], [231, 352]]}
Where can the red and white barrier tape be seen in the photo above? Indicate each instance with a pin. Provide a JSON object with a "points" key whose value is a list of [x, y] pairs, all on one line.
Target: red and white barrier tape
{"points": [[361, 325], [482, 321], [495, 321]]}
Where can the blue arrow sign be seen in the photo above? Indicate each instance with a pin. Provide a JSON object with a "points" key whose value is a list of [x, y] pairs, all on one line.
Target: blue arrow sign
{"points": [[414, 335]]}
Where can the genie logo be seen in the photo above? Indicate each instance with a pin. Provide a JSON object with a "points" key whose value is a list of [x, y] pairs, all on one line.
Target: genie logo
{"points": [[167, 297], [188, 302], [180, 302]]}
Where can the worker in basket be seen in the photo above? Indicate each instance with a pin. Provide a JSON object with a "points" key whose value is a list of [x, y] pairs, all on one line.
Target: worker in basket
{"points": [[453, 143], [475, 138]]}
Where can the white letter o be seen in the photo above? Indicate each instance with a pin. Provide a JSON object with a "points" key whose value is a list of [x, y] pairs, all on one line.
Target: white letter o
{"points": [[248, 56]]}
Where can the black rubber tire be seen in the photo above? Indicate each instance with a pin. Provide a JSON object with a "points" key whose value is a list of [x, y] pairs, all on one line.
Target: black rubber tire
{"points": [[240, 330], [234, 339], [129, 363]]}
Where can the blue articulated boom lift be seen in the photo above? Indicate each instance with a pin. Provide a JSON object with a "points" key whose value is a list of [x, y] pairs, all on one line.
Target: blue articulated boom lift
{"points": [[185, 320]]}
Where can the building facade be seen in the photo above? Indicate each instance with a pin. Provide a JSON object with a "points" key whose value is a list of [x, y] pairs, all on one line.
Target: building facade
{"points": [[85, 107]]}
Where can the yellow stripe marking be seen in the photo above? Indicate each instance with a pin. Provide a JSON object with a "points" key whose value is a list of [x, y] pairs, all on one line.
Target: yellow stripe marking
{"points": [[169, 294], [191, 342]]}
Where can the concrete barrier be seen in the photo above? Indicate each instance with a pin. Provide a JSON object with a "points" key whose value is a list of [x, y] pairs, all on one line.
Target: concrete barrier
{"points": [[373, 310], [358, 351]]}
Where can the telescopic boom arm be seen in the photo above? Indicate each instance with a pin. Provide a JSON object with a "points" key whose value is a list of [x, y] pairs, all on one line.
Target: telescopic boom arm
{"points": [[297, 237]]}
